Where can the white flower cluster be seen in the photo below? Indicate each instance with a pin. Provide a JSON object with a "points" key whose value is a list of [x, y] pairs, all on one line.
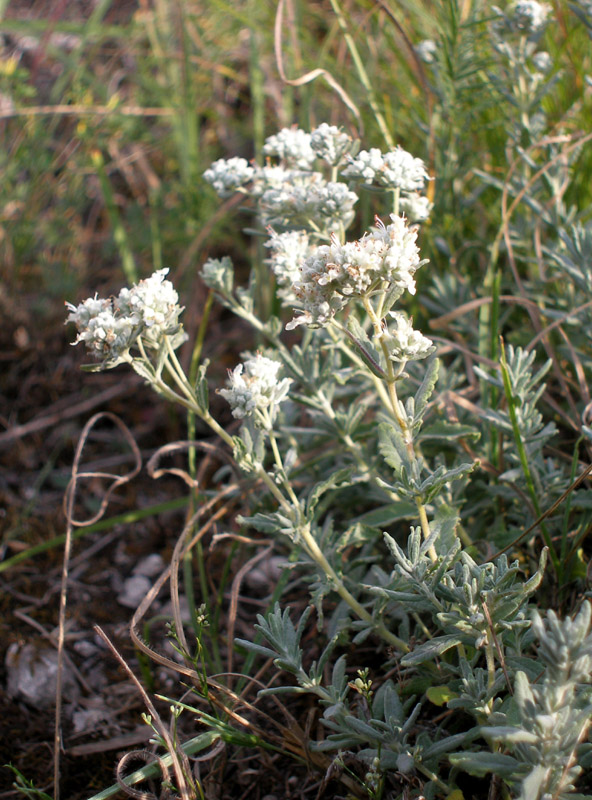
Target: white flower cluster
{"points": [[254, 386], [385, 258], [226, 176], [103, 331], [415, 206], [330, 143], [288, 251], [403, 342], [292, 146], [529, 15], [110, 327], [396, 169], [306, 198], [522, 16], [426, 51]]}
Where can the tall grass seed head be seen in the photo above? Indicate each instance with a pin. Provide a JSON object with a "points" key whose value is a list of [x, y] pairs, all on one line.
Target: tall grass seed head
{"points": [[226, 176], [292, 146], [254, 386]]}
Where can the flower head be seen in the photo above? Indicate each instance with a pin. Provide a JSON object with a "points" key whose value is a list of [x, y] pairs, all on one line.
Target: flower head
{"points": [[529, 15], [307, 197], [109, 327], [396, 169], [385, 258], [292, 146], [426, 50], [288, 251], [415, 206], [106, 334], [330, 143], [226, 176], [403, 342], [154, 303], [254, 386]]}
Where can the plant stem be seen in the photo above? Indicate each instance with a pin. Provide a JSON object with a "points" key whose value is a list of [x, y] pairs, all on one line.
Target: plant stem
{"points": [[402, 423]]}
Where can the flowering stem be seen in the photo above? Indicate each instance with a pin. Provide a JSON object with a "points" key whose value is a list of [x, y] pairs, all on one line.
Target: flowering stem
{"points": [[402, 423], [396, 195], [273, 488], [317, 555]]}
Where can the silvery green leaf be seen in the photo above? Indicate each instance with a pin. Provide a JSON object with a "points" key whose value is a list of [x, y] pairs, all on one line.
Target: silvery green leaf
{"points": [[201, 387], [481, 763], [426, 388], [431, 486], [273, 327], [447, 431], [509, 734], [335, 741], [535, 783], [364, 346], [364, 730], [393, 449], [431, 649], [523, 695], [338, 479], [443, 746], [256, 648], [245, 303], [385, 515], [387, 705]]}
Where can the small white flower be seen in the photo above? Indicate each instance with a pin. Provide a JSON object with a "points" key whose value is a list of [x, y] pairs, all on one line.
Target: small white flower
{"points": [[254, 386], [426, 51], [288, 252], [402, 171], [416, 207], [84, 312], [365, 166], [308, 197], [104, 333], [542, 61], [523, 17], [292, 146], [330, 143], [529, 15], [272, 177], [386, 258], [110, 327], [155, 303], [226, 176], [403, 342], [396, 169]]}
